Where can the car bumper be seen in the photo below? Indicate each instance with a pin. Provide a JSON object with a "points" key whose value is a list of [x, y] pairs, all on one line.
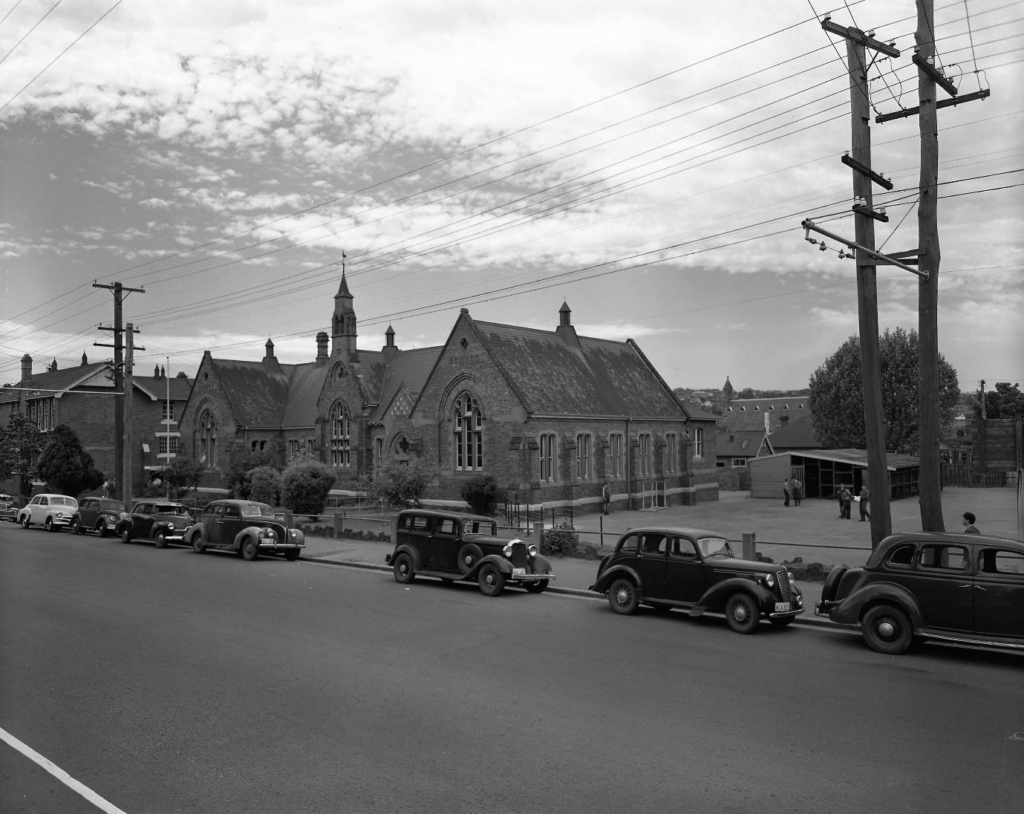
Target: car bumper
{"points": [[270, 545], [61, 521], [529, 577]]}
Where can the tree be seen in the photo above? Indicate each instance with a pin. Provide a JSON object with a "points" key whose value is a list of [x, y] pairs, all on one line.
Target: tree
{"points": [[65, 466], [399, 483], [1005, 401], [242, 463], [183, 476], [265, 485], [482, 494], [305, 487], [837, 403], [20, 445]]}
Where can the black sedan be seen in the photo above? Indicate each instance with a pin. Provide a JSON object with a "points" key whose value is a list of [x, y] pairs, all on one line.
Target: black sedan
{"points": [[246, 527]]}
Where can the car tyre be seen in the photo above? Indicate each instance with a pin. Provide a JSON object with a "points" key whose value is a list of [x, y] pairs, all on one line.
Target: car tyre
{"points": [[469, 555], [491, 580], [623, 596], [126, 535], [403, 570], [197, 544], [102, 528], [292, 554], [48, 525], [25, 522], [250, 549], [887, 629], [742, 612], [160, 539], [537, 587], [76, 526]]}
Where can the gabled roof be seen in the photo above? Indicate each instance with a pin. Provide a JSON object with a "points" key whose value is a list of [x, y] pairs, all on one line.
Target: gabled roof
{"points": [[156, 387], [742, 444], [556, 376], [408, 370], [789, 416], [58, 382], [258, 397]]}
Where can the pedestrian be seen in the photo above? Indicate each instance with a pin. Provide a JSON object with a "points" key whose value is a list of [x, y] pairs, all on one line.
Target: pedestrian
{"points": [[864, 513], [606, 497], [787, 491], [969, 527], [845, 501], [798, 491]]}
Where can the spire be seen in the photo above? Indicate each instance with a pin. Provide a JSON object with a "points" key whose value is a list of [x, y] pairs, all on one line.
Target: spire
{"points": [[343, 324]]}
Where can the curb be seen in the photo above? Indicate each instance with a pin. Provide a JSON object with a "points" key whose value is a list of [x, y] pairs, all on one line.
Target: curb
{"points": [[812, 620]]}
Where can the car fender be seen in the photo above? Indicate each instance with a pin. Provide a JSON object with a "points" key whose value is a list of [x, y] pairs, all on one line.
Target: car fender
{"points": [[850, 610], [715, 596], [541, 565], [124, 524], [503, 565], [193, 531], [417, 561], [248, 531], [606, 578]]}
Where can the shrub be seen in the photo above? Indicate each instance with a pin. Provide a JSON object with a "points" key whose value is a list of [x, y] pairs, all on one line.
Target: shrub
{"points": [[399, 484], [305, 487], [265, 485], [561, 539], [482, 494]]}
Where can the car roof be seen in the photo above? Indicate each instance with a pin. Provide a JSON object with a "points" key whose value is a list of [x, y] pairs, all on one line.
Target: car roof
{"points": [[234, 501], [456, 514], [687, 531]]}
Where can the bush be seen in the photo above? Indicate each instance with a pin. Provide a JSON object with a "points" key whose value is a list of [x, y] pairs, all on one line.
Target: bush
{"points": [[265, 485], [562, 540], [243, 462], [305, 487], [399, 484], [482, 494]]}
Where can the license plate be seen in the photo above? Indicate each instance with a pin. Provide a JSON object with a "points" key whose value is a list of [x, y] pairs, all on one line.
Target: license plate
{"points": [[519, 572], [781, 607]]}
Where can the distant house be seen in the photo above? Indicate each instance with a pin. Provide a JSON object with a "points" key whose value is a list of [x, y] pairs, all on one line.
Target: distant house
{"points": [[550, 415], [752, 428], [82, 397]]}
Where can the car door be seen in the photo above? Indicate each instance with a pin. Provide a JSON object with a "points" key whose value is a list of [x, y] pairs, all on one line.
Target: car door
{"points": [[212, 520], [88, 510], [998, 592], [943, 585], [651, 564], [230, 523], [143, 520], [38, 508], [445, 543], [685, 574]]}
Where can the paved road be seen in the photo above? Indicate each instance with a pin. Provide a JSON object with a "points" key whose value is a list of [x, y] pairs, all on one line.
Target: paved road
{"points": [[171, 682]]}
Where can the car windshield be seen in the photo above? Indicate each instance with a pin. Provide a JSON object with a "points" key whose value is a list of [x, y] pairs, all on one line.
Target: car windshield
{"points": [[715, 547], [256, 510], [170, 508], [63, 501]]}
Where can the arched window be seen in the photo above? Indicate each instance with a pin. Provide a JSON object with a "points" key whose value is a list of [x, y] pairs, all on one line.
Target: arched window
{"points": [[207, 439], [341, 436], [468, 434]]}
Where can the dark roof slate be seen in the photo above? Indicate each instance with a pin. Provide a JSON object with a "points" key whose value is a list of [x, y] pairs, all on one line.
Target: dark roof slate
{"points": [[58, 381], [258, 397]]}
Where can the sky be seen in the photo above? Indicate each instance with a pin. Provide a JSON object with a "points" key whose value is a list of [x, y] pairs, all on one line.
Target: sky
{"points": [[647, 163]]}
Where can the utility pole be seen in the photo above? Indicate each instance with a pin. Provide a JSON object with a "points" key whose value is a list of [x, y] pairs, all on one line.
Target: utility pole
{"points": [[129, 362], [119, 391]]}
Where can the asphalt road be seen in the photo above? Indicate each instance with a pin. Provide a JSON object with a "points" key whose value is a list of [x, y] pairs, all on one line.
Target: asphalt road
{"points": [[166, 681]]}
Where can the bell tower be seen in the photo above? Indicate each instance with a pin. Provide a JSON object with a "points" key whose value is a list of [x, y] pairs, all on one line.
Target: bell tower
{"points": [[343, 323]]}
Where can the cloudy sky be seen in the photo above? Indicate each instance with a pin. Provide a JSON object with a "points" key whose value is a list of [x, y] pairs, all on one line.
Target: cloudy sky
{"points": [[649, 163]]}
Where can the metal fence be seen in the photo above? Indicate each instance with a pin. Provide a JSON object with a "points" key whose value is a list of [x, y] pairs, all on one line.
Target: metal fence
{"points": [[956, 475]]}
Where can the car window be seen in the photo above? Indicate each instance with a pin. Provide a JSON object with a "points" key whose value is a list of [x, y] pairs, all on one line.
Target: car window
{"points": [[902, 556], [714, 547], [447, 527], [653, 544], [217, 510], [480, 527], [44, 501], [87, 504], [630, 544], [170, 508], [65, 501], [404, 522], [420, 523], [1000, 561], [231, 511], [941, 556], [682, 549]]}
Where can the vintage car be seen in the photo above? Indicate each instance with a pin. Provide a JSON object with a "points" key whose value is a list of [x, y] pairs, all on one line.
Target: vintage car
{"points": [[159, 521], [8, 507], [453, 546], [246, 527], [52, 512], [97, 514], [696, 570], [947, 587]]}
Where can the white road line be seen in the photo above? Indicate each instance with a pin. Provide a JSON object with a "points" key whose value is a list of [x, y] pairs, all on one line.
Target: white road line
{"points": [[60, 774]]}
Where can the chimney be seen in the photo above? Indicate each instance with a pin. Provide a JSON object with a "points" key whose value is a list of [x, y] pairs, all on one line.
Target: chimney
{"points": [[270, 364], [389, 349], [26, 368], [156, 371], [565, 329], [321, 347]]}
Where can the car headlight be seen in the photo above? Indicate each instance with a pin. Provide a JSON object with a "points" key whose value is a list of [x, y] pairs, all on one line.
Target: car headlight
{"points": [[532, 550], [769, 580], [507, 550], [789, 576]]}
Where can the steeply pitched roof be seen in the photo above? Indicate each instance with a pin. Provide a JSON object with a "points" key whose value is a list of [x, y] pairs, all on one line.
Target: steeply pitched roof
{"points": [[58, 381], [789, 417], [408, 370], [157, 387], [553, 375], [304, 386], [257, 397]]}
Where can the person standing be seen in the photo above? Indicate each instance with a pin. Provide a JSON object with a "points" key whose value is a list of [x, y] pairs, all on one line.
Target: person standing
{"points": [[798, 491], [864, 513], [606, 497], [787, 491], [969, 527], [845, 499]]}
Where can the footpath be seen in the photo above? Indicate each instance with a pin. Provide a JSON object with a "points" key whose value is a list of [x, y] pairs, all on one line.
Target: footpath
{"points": [[812, 532]]}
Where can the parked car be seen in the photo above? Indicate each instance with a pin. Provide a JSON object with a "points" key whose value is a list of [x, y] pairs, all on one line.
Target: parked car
{"points": [[97, 514], [159, 521], [454, 546], [8, 507], [247, 527], [52, 512], [947, 587], [696, 570]]}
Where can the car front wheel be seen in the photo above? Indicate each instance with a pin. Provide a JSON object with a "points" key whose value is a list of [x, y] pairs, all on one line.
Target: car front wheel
{"points": [[404, 572], [197, 544], [887, 629], [76, 526], [623, 596], [126, 535], [102, 528], [537, 587], [159, 539], [48, 525], [491, 580], [742, 613], [250, 549], [24, 522]]}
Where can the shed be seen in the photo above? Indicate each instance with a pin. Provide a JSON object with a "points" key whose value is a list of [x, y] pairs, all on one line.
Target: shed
{"points": [[822, 471]]}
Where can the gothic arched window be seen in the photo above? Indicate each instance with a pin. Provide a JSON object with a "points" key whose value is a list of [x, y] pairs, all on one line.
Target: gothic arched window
{"points": [[207, 438], [468, 434], [341, 435]]}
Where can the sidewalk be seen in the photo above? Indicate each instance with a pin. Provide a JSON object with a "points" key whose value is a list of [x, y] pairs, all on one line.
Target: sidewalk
{"points": [[812, 531]]}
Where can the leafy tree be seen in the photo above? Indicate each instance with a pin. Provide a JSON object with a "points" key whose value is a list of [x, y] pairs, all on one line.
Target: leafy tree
{"points": [[1005, 401], [398, 483], [305, 487], [482, 494], [265, 485], [65, 466], [837, 402], [242, 463], [183, 476], [20, 445]]}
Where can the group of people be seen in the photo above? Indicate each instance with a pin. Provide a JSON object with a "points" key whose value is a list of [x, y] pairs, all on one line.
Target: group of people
{"points": [[846, 500], [793, 490]]}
